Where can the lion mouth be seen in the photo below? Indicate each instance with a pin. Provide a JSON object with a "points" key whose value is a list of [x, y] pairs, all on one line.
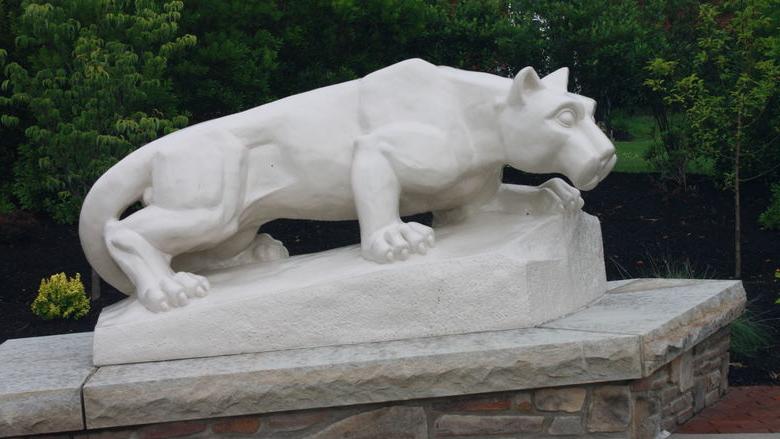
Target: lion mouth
{"points": [[600, 175], [592, 183]]}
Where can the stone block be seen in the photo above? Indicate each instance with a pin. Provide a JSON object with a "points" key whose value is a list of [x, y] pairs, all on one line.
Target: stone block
{"points": [[711, 398], [40, 383], [478, 425], [699, 391], [355, 374], [646, 420], [724, 373], [566, 425], [685, 415], [671, 317], [610, 409], [398, 422], [495, 271], [679, 405], [239, 425], [657, 381], [475, 404], [284, 422], [567, 399], [713, 380], [104, 434], [522, 402], [669, 394], [172, 429], [681, 371]]}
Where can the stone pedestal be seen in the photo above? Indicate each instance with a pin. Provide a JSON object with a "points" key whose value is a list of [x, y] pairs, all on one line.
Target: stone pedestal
{"points": [[496, 271], [642, 359]]}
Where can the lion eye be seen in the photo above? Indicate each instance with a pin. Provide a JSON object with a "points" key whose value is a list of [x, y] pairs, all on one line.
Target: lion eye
{"points": [[567, 117]]}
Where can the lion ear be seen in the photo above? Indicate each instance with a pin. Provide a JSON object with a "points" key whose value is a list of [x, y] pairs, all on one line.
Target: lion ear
{"points": [[558, 79], [526, 82]]}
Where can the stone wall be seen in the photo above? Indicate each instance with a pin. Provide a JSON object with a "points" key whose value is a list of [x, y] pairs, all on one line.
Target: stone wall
{"points": [[628, 409]]}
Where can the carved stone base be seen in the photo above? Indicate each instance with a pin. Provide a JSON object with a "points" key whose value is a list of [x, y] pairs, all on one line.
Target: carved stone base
{"points": [[644, 358], [496, 271]]}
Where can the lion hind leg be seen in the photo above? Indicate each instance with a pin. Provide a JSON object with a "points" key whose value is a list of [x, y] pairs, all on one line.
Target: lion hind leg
{"points": [[245, 247], [144, 243]]}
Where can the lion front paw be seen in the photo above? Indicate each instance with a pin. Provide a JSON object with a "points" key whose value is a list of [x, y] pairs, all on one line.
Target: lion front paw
{"points": [[397, 241], [173, 291], [561, 197]]}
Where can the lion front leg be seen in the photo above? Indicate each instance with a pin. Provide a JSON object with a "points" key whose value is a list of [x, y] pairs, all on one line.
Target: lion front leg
{"points": [[397, 161], [552, 197]]}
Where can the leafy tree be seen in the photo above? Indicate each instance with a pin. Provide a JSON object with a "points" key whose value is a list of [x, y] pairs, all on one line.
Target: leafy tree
{"points": [[676, 148], [92, 75], [729, 96], [231, 68], [325, 41], [604, 44], [484, 36], [10, 137]]}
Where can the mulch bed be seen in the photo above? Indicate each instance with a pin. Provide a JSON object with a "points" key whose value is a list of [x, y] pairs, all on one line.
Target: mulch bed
{"points": [[643, 225]]}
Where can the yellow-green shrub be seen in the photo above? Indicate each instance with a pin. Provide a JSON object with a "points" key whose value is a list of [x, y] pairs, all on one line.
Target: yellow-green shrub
{"points": [[61, 297]]}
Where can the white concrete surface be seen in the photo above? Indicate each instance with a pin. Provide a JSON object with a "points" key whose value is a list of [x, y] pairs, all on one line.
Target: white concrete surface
{"points": [[495, 271]]}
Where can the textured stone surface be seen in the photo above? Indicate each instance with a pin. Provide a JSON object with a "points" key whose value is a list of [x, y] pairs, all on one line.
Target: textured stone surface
{"points": [[671, 315], [567, 399], [387, 423], [40, 383], [476, 425], [610, 409], [495, 271], [681, 371], [566, 425], [523, 402], [297, 393], [239, 425], [355, 374]]}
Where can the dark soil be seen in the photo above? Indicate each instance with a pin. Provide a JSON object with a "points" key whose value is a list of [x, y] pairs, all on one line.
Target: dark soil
{"points": [[643, 225]]}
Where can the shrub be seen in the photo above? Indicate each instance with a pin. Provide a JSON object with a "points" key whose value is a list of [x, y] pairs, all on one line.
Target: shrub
{"points": [[88, 85], [750, 335], [61, 297], [771, 216]]}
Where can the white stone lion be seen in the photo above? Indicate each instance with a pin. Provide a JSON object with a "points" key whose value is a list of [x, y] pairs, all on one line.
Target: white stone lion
{"points": [[410, 138]]}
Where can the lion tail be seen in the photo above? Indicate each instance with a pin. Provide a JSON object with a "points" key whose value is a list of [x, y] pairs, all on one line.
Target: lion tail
{"points": [[116, 190]]}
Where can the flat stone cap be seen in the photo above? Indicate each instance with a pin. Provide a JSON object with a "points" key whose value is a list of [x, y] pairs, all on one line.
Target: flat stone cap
{"points": [[638, 326], [40, 383]]}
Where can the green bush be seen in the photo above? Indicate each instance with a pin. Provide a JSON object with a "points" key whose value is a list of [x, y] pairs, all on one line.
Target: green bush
{"points": [[86, 85], [61, 297], [771, 216], [750, 335]]}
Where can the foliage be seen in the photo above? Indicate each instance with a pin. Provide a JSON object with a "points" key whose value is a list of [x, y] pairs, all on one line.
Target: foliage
{"points": [[61, 297], [750, 335], [770, 218], [250, 53], [605, 47], [92, 76], [10, 137], [727, 96], [235, 59], [675, 150]]}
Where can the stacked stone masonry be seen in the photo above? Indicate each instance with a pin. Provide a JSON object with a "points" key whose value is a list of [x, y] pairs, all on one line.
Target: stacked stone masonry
{"points": [[637, 409]]}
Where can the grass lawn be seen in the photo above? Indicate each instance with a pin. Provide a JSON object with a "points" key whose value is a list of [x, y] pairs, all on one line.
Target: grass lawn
{"points": [[631, 153]]}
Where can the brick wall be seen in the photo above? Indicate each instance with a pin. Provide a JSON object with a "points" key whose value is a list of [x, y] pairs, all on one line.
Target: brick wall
{"points": [[636, 409]]}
